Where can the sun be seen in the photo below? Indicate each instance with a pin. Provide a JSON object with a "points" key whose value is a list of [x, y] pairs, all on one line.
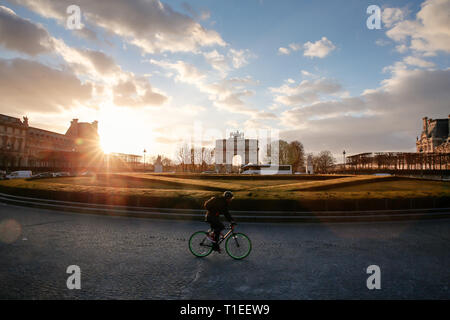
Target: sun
{"points": [[124, 132]]}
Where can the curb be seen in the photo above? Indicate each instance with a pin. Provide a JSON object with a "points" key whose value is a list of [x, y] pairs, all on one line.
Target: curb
{"points": [[244, 216]]}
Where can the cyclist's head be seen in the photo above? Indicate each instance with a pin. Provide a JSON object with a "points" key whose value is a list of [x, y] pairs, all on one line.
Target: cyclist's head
{"points": [[228, 195]]}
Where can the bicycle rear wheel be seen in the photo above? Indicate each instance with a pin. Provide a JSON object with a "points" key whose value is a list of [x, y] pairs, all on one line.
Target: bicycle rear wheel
{"points": [[199, 245], [238, 246]]}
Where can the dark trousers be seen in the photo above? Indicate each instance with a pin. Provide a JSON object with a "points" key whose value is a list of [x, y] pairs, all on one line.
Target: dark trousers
{"points": [[216, 225]]}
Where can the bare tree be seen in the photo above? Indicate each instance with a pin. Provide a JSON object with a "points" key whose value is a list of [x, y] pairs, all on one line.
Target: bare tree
{"points": [[166, 162], [296, 156], [183, 154], [323, 161]]}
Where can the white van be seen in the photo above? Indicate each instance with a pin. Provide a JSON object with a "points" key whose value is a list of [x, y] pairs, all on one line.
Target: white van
{"points": [[19, 175]]}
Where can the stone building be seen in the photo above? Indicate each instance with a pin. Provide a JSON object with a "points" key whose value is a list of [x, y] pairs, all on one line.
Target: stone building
{"points": [[12, 142], [236, 145], [434, 136], [26, 147]]}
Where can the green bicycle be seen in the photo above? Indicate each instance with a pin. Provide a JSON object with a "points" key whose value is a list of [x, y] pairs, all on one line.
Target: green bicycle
{"points": [[237, 245]]}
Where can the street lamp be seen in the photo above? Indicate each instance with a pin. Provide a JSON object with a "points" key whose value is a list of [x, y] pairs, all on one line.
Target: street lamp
{"points": [[144, 158], [343, 153]]}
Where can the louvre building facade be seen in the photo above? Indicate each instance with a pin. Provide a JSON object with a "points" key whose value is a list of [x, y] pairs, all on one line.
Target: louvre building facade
{"points": [[435, 136], [26, 147]]}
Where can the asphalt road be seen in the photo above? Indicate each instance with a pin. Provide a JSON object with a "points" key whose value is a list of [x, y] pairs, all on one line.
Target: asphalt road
{"points": [[132, 258]]}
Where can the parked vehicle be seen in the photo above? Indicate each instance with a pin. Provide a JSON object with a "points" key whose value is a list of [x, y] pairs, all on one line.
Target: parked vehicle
{"points": [[266, 169], [19, 174], [61, 174], [43, 175]]}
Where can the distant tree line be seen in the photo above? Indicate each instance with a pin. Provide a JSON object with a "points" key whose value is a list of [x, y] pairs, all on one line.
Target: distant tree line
{"points": [[191, 158]]}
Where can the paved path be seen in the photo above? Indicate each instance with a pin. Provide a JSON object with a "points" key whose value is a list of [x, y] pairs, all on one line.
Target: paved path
{"points": [[131, 258]]}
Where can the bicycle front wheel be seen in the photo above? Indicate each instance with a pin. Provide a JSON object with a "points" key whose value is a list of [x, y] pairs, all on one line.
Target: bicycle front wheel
{"points": [[238, 246], [199, 244]]}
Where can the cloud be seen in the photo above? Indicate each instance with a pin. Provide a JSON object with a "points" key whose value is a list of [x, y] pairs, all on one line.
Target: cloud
{"points": [[391, 16], [384, 119], [234, 59], [186, 72], [418, 62], [150, 25], [429, 32], [305, 92], [226, 94], [31, 86], [202, 15], [136, 93], [239, 58], [319, 49], [295, 46], [21, 35], [217, 61], [99, 68], [284, 51], [307, 73]]}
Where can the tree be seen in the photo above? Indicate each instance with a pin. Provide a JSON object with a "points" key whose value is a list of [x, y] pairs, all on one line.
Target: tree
{"points": [[183, 154], [166, 162], [296, 156], [323, 161], [289, 153]]}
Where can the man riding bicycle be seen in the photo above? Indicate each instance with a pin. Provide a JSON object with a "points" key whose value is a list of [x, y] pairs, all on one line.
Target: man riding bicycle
{"points": [[216, 206]]}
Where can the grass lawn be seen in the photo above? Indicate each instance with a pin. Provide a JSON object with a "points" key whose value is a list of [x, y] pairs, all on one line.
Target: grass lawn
{"points": [[140, 184]]}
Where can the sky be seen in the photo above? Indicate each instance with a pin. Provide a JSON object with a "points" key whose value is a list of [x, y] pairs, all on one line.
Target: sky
{"points": [[158, 73]]}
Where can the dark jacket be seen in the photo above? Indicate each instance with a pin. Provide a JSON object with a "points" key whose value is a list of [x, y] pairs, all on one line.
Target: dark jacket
{"points": [[219, 205]]}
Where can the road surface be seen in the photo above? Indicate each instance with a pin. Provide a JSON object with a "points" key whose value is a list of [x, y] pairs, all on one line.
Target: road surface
{"points": [[132, 258]]}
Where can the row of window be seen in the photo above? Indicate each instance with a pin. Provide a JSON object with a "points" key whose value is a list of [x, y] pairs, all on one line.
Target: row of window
{"points": [[11, 130]]}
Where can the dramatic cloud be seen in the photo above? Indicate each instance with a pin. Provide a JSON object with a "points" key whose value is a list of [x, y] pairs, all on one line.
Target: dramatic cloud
{"points": [[305, 92], [227, 94], [391, 16], [418, 62], [136, 93], [21, 35], [234, 59], [388, 118], [99, 68], [31, 86], [319, 49], [217, 61], [148, 24], [186, 72], [239, 58], [429, 33]]}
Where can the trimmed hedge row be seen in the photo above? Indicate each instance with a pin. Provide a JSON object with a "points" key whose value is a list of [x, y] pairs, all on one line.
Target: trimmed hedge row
{"points": [[188, 202]]}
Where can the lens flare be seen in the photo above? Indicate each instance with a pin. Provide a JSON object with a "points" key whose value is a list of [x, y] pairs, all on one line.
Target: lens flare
{"points": [[10, 231]]}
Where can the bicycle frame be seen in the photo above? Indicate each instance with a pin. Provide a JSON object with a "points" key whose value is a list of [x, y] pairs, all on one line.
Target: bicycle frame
{"points": [[231, 231], [223, 238]]}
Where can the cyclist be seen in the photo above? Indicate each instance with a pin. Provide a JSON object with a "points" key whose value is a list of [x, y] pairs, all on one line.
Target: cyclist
{"points": [[216, 206]]}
